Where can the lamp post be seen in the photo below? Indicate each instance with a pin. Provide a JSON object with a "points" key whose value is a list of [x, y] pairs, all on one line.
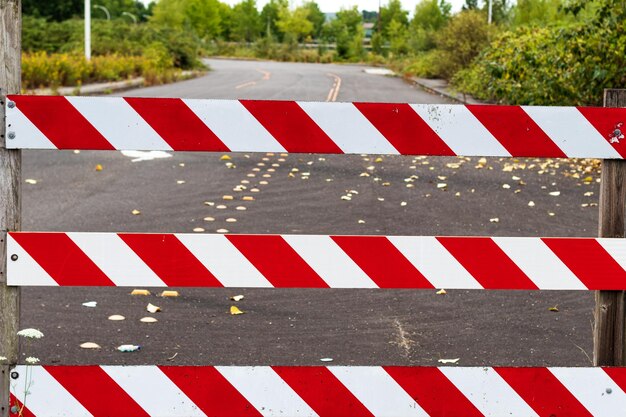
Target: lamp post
{"points": [[132, 16], [104, 9], [489, 19], [88, 30]]}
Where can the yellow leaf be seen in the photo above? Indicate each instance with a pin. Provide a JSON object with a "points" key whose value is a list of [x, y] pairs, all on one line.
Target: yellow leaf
{"points": [[152, 308], [136, 212], [555, 309], [441, 292], [140, 292], [379, 159], [169, 293], [235, 311], [98, 167], [225, 158]]}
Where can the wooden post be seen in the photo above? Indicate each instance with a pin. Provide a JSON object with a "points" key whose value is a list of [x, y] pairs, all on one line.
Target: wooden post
{"points": [[609, 335], [10, 181]]}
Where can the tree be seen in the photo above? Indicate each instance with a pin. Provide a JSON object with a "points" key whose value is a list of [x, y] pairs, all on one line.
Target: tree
{"points": [[470, 5], [537, 12], [245, 22], [53, 10], [346, 30], [269, 17], [316, 17], [392, 11], [200, 16], [429, 17], [294, 24], [499, 10]]}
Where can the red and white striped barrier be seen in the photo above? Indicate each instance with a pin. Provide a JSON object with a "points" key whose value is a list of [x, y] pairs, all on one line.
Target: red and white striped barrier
{"points": [[337, 391], [108, 123], [315, 261]]}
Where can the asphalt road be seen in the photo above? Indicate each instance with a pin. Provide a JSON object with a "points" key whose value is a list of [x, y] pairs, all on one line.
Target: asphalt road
{"points": [[300, 327]]}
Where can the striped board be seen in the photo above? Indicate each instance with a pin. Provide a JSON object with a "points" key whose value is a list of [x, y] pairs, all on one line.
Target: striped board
{"points": [[315, 261], [109, 123], [334, 391]]}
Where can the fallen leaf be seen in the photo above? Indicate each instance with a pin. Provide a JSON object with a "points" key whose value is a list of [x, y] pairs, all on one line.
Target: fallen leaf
{"points": [[235, 311], [555, 193], [531, 204], [237, 297], [209, 203], [240, 208], [90, 304], [98, 167], [148, 320], [221, 207], [441, 292], [554, 309], [209, 219], [136, 212], [30, 181], [140, 292], [403, 203], [231, 220], [179, 182], [222, 230], [198, 229], [454, 361], [364, 174], [128, 348], [152, 308], [326, 360], [169, 293], [225, 158], [116, 317], [379, 159], [442, 185], [90, 345], [248, 198], [506, 186], [588, 193], [227, 197], [495, 220], [361, 221]]}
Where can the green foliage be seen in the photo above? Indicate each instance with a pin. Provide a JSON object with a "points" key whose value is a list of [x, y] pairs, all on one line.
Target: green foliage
{"points": [[316, 17], [59, 10], [537, 12], [462, 39], [245, 21], [346, 30], [558, 65], [269, 17], [429, 17], [428, 64], [392, 11], [294, 24], [200, 16]]}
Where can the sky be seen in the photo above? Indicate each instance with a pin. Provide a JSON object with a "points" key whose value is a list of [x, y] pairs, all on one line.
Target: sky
{"points": [[329, 6]]}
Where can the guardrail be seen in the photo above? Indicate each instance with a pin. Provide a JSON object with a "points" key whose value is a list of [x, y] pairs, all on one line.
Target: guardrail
{"points": [[126, 259]]}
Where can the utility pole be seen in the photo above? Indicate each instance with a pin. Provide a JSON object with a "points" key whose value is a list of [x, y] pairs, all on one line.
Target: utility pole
{"points": [[10, 180], [490, 17], [88, 30]]}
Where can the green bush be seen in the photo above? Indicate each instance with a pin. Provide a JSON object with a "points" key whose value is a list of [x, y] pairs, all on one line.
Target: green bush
{"points": [[559, 65]]}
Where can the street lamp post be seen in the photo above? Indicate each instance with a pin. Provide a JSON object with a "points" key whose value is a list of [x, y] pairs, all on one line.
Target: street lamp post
{"points": [[132, 16], [104, 9], [88, 30], [489, 19]]}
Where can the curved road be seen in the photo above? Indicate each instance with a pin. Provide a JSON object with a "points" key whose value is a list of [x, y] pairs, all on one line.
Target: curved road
{"points": [[295, 326]]}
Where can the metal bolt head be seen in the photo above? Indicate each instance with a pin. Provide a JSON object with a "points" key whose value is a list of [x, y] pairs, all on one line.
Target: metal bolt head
{"points": [[10, 104], [14, 409], [609, 390], [14, 257], [11, 135], [15, 375]]}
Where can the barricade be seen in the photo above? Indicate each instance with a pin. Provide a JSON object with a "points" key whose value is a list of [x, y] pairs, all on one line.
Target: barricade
{"points": [[313, 261]]}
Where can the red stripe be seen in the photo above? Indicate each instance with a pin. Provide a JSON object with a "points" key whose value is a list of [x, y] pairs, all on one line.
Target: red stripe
{"points": [[404, 128], [13, 401], [277, 261], [605, 120], [382, 261], [543, 392], [322, 391], [430, 388], [62, 259], [487, 263], [516, 131], [61, 123], [291, 126], [210, 391], [590, 262], [177, 124], [96, 391], [618, 375], [170, 260]]}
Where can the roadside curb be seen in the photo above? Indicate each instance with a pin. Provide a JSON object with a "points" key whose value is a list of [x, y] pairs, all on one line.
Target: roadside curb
{"points": [[104, 88], [431, 87]]}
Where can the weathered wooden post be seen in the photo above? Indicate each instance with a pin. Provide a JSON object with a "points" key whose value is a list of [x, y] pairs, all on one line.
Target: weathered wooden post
{"points": [[609, 338], [10, 178]]}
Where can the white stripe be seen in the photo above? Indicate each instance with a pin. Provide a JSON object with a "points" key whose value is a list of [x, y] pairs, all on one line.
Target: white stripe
{"points": [[118, 261], [378, 391], [234, 125], [266, 391], [432, 259], [616, 248], [224, 261], [460, 130], [25, 270], [119, 123], [348, 128], [329, 261], [571, 132], [488, 391], [590, 386], [539, 263], [43, 395], [149, 387], [27, 135]]}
